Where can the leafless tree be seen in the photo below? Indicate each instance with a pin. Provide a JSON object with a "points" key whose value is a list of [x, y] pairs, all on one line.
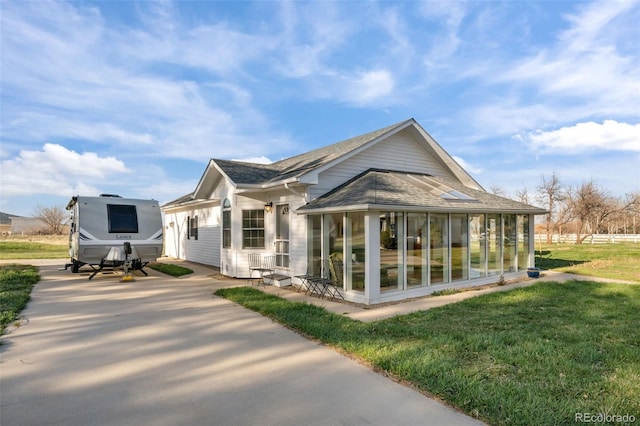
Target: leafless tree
{"points": [[498, 190], [594, 209], [54, 219], [523, 195], [551, 193]]}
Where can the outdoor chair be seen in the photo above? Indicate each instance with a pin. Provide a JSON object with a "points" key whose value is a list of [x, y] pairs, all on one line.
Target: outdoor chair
{"points": [[306, 280], [335, 284], [264, 267], [320, 282], [268, 269]]}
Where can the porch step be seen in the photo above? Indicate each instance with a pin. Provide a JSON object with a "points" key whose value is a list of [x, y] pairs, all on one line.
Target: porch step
{"points": [[278, 280]]}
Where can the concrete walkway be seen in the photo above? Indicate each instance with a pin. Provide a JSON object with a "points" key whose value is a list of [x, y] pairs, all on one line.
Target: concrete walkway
{"points": [[164, 351]]}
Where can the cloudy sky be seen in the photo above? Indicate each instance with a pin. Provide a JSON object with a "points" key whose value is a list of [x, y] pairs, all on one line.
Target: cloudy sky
{"points": [[133, 98]]}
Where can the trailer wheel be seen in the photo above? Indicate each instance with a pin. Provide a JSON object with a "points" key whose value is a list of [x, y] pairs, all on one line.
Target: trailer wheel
{"points": [[75, 266]]}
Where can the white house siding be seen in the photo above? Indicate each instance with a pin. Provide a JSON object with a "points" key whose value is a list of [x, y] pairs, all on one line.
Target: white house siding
{"points": [[206, 249], [234, 261], [399, 152]]}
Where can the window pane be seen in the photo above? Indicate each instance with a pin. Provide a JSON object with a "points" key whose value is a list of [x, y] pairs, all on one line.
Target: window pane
{"points": [[334, 235], [523, 242], [438, 229], [314, 244], [355, 252], [477, 236], [459, 247], [226, 228], [510, 262], [494, 239], [417, 249], [122, 219], [253, 228], [391, 251]]}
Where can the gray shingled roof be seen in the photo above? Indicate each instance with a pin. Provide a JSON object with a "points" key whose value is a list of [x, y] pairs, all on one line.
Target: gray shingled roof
{"points": [[252, 173], [402, 190]]}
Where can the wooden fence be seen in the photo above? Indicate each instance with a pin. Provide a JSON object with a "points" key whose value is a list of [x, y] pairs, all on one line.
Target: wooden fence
{"points": [[590, 239]]}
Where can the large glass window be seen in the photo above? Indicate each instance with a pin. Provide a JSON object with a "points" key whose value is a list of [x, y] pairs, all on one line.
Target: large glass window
{"points": [[477, 241], [314, 244], [459, 247], [226, 223], [334, 235], [439, 244], [193, 227], [523, 242], [391, 251], [494, 240], [417, 246], [509, 259], [354, 262], [253, 228], [122, 219]]}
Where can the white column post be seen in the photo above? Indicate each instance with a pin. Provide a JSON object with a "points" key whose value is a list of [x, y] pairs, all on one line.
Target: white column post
{"points": [[372, 256]]}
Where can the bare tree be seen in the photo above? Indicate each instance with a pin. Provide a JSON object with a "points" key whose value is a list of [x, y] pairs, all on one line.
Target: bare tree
{"points": [[53, 218], [551, 192], [498, 190], [523, 195], [594, 209]]}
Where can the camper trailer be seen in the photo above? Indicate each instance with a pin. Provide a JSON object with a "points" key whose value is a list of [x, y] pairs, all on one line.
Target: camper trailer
{"points": [[111, 231]]}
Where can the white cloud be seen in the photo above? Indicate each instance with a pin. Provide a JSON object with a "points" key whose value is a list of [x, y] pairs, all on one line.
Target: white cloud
{"points": [[587, 64], [57, 170], [257, 160], [369, 86], [610, 135]]}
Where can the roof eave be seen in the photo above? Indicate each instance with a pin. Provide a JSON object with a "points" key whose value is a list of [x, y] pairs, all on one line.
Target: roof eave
{"points": [[247, 187], [412, 208]]}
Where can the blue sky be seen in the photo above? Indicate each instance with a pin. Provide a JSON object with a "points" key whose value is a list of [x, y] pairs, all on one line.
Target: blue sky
{"points": [[134, 98]]}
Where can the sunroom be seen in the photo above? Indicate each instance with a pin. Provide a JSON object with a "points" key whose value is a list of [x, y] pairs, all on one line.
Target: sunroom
{"points": [[400, 235]]}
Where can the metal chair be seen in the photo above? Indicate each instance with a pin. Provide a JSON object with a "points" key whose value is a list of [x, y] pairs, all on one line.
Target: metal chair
{"points": [[264, 266], [335, 284], [322, 282], [255, 264], [306, 279], [268, 269]]}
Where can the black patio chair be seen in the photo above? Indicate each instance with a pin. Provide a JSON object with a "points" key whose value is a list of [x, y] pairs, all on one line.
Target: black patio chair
{"points": [[335, 285]]}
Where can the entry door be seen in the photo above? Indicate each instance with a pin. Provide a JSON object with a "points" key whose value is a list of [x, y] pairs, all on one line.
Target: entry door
{"points": [[282, 235]]}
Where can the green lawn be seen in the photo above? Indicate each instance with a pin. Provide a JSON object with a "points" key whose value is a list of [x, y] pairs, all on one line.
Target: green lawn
{"points": [[10, 250], [16, 282], [535, 355], [173, 270], [618, 261]]}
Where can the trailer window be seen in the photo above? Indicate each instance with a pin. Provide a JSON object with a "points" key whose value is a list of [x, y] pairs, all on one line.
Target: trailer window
{"points": [[122, 219]]}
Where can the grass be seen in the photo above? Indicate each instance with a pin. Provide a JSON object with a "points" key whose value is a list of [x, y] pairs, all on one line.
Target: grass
{"points": [[16, 283], [173, 270], [535, 355], [617, 261], [10, 250]]}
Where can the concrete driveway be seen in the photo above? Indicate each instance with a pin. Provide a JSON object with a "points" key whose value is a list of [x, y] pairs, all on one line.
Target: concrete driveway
{"points": [[164, 351]]}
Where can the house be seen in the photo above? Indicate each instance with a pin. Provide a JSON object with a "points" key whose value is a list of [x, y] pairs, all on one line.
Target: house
{"points": [[400, 214]]}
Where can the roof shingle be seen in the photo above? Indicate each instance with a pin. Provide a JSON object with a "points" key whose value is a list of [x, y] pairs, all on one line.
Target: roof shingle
{"points": [[401, 190]]}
